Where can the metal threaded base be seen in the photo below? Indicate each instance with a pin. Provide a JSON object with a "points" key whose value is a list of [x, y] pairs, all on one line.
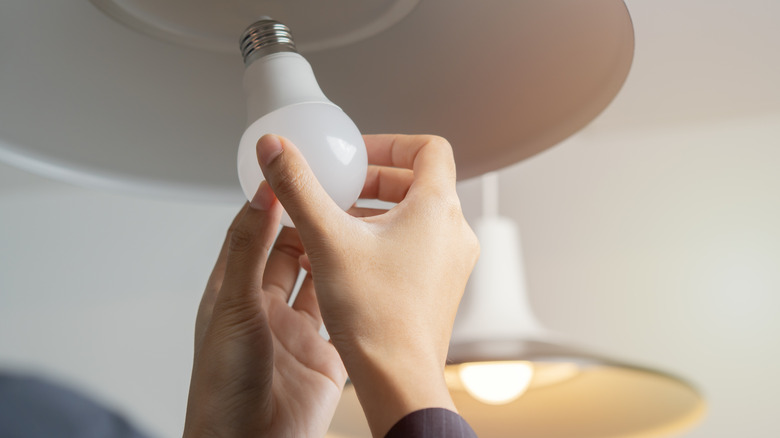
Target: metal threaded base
{"points": [[265, 37]]}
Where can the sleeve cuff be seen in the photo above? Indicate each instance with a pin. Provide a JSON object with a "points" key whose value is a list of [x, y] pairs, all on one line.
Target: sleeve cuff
{"points": [[431, 423]]}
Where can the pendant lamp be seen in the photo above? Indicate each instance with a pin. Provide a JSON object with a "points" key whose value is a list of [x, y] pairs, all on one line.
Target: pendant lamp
{"points": [[145, 96], [510, 377]]}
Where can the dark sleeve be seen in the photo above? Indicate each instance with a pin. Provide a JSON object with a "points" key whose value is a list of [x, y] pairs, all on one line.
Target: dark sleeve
{"points": [[432, 423]]}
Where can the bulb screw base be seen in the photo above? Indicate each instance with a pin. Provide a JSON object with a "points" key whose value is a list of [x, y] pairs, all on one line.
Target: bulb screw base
{"points": [[265, 37]]}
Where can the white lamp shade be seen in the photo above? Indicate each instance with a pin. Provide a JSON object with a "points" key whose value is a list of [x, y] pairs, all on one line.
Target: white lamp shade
{"points": [[495, 304], [571, 392], [90, 100]]}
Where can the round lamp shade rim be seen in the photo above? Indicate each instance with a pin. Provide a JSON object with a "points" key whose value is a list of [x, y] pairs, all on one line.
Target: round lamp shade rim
{"points": [[101, 104], [571, 393]]}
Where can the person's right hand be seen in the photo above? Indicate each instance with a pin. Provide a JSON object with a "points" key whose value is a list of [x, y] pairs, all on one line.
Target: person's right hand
{"points": [[388, 285]]}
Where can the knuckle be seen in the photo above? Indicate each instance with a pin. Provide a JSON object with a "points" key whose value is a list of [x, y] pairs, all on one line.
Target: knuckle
{"points": [[440, 144], [240, 239], [440, 195], [438, 141], [444, 153], [288, 249], [440, 205], [291, 183]]}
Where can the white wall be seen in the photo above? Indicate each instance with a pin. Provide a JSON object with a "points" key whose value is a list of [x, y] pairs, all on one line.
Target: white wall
{"points": [[100, 290], [658, 247]]}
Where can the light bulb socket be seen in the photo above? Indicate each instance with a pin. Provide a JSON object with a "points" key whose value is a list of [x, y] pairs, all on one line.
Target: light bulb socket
{"points": [[265, 37]]}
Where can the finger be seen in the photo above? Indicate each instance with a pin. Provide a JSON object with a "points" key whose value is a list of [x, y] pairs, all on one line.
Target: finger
{"points": [[294, 183], [388, 184], [306, 302], [366, 212], [248, 245], [430, 157], [303, 260], [218, 273], [282, 268], [209, 297]]}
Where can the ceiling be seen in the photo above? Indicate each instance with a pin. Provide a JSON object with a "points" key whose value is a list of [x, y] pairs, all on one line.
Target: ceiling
{"points": [[650, 236]]}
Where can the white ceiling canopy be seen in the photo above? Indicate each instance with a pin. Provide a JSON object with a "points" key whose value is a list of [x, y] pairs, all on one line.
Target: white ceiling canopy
{"points": [[146, 96]]}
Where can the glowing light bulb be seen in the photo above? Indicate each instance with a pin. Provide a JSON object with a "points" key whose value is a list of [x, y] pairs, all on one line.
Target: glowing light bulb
{"points": [[496, 383], [283, 98]]}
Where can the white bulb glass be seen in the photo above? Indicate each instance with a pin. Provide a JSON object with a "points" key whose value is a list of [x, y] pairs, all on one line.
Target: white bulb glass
{"points": [[283, 98], [327, 138], [496, 383]]}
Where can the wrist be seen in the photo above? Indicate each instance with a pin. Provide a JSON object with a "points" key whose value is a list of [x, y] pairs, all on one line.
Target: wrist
{"points": [[391, 386], [191, 431]]}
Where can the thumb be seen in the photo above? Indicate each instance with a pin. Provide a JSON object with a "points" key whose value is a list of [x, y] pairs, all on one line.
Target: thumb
{"points": [[295, 185]]}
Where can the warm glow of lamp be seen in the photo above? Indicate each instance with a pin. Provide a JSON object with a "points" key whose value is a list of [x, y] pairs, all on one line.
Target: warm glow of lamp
{"points": [[496, 383]]}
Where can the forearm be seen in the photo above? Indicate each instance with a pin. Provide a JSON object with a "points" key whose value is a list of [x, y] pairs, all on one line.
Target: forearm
{"points": [[391, 386]]}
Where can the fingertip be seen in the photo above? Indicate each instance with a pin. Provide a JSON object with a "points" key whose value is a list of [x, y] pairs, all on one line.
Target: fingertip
{"points": [[295, 185], [303, 260], [268, 148], [264, 198]]}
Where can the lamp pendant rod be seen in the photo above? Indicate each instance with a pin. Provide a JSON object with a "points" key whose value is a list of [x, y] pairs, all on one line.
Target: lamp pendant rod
{"points": [[495, 304]]}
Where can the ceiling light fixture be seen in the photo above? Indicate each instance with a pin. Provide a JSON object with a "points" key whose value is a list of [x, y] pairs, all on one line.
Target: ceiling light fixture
{"points": [[509, 376], [144, 96]]}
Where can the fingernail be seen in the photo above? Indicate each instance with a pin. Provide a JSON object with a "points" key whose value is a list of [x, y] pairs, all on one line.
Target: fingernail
{"points": [[264, 198], [268, 148]]}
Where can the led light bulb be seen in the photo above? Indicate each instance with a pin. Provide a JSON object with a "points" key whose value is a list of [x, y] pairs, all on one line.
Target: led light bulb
{"points": [[283, 98], [496, 383]]}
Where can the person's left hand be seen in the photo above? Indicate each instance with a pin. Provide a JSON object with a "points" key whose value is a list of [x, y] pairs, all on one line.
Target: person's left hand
{"points": [[261, 368]]}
